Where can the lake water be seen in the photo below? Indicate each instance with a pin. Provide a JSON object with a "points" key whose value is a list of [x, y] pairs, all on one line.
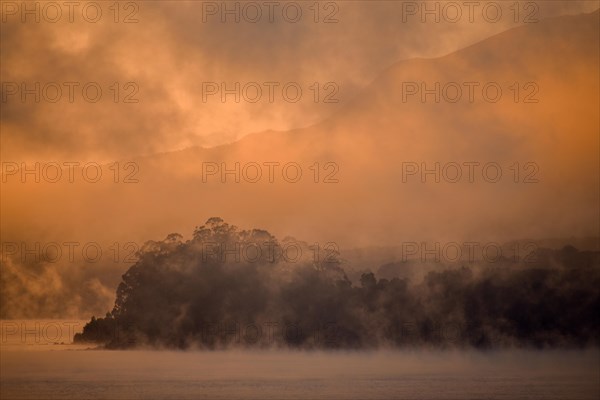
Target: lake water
{"points": [[31, 368]]}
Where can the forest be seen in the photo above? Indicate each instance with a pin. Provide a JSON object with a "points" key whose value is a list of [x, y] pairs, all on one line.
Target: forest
{"points": [[179, 295]]}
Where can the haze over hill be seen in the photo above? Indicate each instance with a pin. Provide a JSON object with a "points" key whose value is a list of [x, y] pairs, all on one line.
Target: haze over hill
{"points": [[354, 199], [168, 51], [542, 132]]}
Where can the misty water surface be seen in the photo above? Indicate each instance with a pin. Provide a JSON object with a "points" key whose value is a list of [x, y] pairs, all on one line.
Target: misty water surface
{"points": [[72, 373]]}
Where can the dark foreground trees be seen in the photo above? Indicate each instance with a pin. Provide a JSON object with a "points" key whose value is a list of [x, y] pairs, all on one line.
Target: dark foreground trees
{"points": [[227, 287]]}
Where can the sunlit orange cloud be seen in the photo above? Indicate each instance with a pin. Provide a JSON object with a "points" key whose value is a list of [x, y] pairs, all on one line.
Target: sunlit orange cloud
{"points": [[169, 52]]}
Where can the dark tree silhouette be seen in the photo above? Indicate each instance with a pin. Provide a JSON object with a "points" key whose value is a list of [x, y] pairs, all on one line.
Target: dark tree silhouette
{"points": [[231, 287]]}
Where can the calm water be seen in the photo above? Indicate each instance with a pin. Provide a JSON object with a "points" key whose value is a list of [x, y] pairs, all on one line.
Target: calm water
{"points": [[39, 370]]}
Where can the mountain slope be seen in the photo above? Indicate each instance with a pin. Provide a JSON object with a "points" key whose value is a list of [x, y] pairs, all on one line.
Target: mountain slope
{"points": [[554, 139]]}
